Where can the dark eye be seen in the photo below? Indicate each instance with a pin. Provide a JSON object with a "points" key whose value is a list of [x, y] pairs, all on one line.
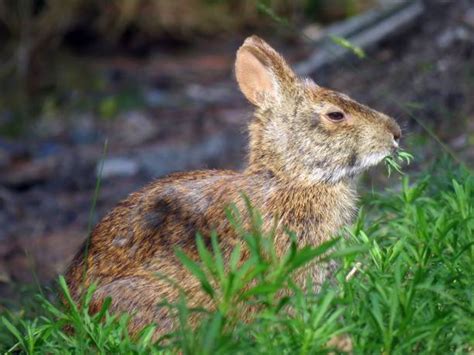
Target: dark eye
{"points": [[336, 116]]}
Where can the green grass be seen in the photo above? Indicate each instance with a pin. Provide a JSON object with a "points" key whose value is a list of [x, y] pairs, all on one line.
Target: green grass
{"points": [[405, 285]]}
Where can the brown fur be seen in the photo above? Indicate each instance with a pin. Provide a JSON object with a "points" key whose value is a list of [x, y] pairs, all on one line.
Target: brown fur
{"points": [[300, 171]]}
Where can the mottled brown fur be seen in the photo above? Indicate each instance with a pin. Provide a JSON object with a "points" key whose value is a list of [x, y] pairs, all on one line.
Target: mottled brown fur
{"points": [[300, 171]]}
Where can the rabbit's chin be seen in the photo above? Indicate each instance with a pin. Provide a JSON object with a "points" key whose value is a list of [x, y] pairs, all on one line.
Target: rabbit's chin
{"points": [[338, 174]]}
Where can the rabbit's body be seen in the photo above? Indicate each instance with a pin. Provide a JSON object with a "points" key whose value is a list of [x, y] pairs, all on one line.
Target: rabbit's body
{"points": [[302, 160], [137, 240]]}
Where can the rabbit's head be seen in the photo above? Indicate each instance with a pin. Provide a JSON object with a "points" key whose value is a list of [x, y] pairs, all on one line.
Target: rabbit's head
{"points": [[304, 131]]}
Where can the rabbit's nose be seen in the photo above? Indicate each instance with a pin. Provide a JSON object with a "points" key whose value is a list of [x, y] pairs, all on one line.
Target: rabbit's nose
{"points": [[397, 132], [397, 136]]}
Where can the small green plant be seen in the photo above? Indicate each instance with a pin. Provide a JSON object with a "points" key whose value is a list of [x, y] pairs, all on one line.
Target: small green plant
{"points": [[393, 162], [261, 283], [70, 329], [414, 289]]}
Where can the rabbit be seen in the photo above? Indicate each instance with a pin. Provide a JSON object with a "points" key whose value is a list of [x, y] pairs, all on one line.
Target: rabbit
{"points": [[306, 146]]}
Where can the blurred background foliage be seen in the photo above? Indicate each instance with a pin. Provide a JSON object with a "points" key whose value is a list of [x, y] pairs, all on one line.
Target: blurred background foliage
{"points": [[38, 36]]}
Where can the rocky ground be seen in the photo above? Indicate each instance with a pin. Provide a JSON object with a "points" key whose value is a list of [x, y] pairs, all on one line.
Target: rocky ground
{"points": [[192, 117]]}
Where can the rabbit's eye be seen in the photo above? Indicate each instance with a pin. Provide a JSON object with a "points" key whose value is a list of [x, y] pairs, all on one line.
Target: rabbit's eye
{"points": [[336, 116]]}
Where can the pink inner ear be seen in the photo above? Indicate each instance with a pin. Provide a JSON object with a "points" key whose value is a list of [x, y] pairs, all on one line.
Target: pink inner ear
{"points": [[255, 80]]}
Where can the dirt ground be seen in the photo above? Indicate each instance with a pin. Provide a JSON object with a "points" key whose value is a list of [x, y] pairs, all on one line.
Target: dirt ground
{"points": [[193, 117]]}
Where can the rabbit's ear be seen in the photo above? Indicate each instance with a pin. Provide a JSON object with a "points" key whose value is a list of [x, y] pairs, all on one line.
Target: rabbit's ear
{"points": [[261, 72]]}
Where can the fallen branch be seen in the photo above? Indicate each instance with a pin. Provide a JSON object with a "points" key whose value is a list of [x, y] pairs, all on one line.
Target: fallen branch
{"points": [[362, 31]]}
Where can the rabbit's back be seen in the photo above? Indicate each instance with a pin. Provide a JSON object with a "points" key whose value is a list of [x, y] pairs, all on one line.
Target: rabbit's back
{"points": [[143, 230]]}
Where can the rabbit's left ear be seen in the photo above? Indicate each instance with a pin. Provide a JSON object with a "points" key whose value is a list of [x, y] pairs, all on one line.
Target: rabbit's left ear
{"points": [[261, 72]]}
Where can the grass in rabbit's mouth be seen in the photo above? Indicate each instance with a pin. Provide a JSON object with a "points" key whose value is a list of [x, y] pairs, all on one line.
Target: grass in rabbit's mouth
{"points": [[394, 162]]}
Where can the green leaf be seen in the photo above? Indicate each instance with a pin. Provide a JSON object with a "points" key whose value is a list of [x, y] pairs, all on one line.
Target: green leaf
{"points": [[12, 329], [261, 290], [234, 257], [204, 254], [218, 257], [359, 52], [212, 333], [307, 254], [196, 270]]}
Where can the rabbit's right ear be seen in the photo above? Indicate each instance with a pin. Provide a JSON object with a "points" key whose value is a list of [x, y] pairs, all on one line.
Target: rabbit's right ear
{"points": [[261, 72]]}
